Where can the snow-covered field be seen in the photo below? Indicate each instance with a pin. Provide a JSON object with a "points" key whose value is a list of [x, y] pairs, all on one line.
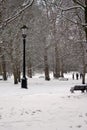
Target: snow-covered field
{"points": [[45, 105]]}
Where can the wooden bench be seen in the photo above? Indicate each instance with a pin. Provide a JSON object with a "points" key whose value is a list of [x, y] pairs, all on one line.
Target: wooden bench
{"points": [[81, 88]]}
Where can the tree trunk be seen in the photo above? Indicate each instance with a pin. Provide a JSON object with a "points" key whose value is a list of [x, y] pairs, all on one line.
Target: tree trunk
{"points": [[15, 78], [3, 65], [86, 19], [19, 74], [46, 68], [57, 65], [15, 75], [62, 67], [83, 76], [83, 79], [4, 68], [62, 73], [30, 70]]}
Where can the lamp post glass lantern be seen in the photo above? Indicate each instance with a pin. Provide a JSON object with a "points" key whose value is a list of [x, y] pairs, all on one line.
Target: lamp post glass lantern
{"points": [[24, 79]]}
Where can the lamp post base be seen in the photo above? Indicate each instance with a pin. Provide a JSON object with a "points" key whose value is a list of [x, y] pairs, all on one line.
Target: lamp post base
{"points": [[24, 83]]}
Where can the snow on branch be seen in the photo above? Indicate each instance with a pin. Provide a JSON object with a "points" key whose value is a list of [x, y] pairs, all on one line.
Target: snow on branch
{"points": [[74, 22], [24, 6], [26, 2], [77, 2], [70, 8], [77, 23]]}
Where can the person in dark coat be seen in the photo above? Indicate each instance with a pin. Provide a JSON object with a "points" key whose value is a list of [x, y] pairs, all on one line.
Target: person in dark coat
{"points": [[77, 76], [73, 76]]}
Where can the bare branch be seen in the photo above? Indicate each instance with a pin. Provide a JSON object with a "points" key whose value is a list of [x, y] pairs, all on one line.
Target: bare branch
{"points": [[83, 25], [73, 21], [70, 8], [77, 2], [17, 14]]}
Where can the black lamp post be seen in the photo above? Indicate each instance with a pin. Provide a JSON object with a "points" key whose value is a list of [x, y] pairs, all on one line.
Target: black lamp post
{"points": [[24, 79]]}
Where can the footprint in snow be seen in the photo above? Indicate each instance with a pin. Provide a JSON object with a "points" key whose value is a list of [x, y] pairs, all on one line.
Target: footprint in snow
{"points": [[33, 112], [85, 114], [79, 126], [1, 108], [68, 96], [26, 112], [0, 117], [70, 126], [80, 116], [85, 121], [38, 110]]}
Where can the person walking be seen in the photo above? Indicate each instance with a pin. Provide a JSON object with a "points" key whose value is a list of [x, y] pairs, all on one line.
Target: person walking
{"points": [[73, 76], [77, 76]]}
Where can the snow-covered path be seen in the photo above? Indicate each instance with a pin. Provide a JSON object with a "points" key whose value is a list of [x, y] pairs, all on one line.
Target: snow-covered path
{"points": [[45, 105]]}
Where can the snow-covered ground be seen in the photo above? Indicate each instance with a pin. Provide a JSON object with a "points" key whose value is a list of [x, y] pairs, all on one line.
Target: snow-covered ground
{"points": [[45, 105]]}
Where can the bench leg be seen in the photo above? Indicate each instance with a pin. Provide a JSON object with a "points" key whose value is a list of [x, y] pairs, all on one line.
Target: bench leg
{"points": [[82, 91]]}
